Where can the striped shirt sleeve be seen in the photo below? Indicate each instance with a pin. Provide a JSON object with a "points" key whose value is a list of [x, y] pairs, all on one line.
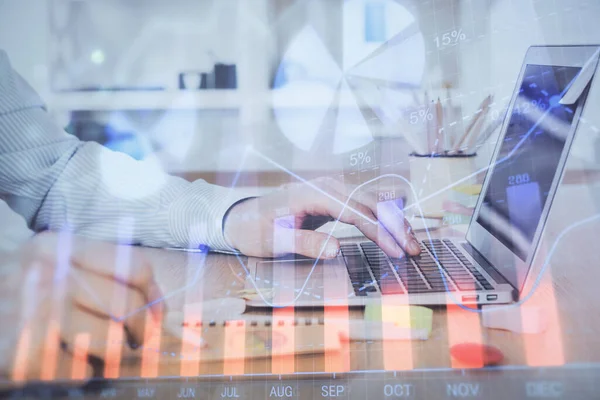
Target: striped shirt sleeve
{"points": [[55, 182]]}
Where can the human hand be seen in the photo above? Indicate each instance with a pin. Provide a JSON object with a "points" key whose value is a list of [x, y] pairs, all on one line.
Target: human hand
{"points": [[95, 295], [276, 224]]}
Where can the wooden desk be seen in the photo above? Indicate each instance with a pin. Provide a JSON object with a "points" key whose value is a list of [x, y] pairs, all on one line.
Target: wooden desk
{"points": [[567, 294]]}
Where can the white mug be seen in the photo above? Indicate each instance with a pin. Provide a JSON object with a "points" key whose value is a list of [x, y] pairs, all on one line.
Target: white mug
{"points": [[433, 177]]}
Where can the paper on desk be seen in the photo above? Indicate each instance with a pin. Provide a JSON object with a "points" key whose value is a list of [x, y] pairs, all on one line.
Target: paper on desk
{"points": [[418, 320], [523, 319], [253, 294], [469, 190], [378, 330]]}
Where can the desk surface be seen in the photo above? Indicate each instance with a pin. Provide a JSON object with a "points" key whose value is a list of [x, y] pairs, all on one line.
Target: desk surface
{"points": [[566, 294]]}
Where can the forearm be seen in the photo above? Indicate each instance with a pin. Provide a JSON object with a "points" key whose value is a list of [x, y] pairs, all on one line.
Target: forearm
{"points": [[57, 182], [106, 195], [110, 196]]}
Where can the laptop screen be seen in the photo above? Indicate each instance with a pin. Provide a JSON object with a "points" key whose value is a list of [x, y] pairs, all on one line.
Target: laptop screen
{"points": [[529, 158]]}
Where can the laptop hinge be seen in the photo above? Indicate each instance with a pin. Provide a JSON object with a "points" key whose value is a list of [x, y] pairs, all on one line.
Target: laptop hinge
{"points": [[489, 268]]}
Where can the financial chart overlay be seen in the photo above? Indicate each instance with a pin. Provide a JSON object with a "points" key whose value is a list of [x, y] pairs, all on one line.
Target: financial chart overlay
{"points": [[214, 346], [368, 68], [493, 166]]}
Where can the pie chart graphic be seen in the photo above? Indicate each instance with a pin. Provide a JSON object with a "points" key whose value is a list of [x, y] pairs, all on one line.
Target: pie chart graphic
{"points": [[332, 96]]}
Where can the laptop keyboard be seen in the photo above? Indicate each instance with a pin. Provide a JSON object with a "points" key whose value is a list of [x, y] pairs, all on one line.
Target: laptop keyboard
{"points": [[440, 267]]}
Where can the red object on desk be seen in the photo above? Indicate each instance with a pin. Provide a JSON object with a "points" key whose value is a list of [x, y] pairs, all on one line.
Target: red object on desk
{"points": [[474, 353]]}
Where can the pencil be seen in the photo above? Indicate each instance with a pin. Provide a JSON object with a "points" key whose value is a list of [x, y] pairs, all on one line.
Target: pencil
{"points": [[428, 129], [439, 114], [449, 116], [484, 104], [478, 129]]}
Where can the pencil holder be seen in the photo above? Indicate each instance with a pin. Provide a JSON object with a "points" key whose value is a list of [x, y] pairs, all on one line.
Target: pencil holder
{"points": [[434, 176]]}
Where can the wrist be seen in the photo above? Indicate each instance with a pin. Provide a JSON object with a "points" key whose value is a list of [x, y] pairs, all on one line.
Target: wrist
{"points": [[230, 220], [196, 216]]}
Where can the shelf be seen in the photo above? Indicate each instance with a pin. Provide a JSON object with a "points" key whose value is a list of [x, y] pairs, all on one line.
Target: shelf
{"points": [[226, 99]]}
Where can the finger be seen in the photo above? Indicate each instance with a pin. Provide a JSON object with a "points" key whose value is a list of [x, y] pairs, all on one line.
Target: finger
{"points": [[392, 219], [308, 243], [96, 295], [123, 263], [120, 263], [73, 364], [387, 213], [101, 341], [361, 216]]}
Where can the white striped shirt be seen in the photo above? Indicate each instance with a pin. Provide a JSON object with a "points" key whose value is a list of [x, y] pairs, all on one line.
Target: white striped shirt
{"points": [[56, 182]]}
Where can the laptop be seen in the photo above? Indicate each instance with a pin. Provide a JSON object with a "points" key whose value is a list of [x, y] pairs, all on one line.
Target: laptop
{"points": [[492, 262]]}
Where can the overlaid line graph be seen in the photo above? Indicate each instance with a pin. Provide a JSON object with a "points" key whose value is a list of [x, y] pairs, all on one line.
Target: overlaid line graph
{"points": [[301, 199], [571, 229], [196, 277], [345, 206], [122, 257], [516, 304], [545, 265], [417, 202]]}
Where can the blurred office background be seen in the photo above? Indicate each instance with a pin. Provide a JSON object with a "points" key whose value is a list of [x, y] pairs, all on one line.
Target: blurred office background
{"points": [[191, 84]]}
